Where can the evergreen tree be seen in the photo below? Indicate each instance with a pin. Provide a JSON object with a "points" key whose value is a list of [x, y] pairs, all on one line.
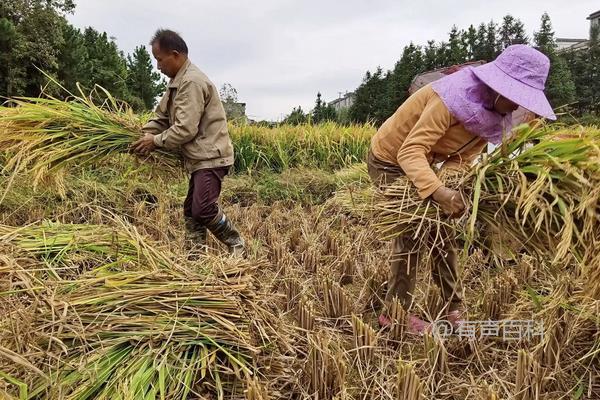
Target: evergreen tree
{"points": [[296, 117], [544, 38], [512, 31], [72, 58], [105, 65], [328, 113], [36, 39], [317, 111], [456, 51], [469, 39], [143, 83], [371, 100], [490, 47], [479, 51], [442, 55], [592, 72], [430, 57], [560, 88], [31, 40], [411, 63], [12, 74], [323, 112], [359, 111], [584, 66]]}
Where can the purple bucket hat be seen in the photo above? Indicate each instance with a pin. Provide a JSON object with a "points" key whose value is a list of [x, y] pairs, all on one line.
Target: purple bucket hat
{"points": [[471, 102], [519, 74]]}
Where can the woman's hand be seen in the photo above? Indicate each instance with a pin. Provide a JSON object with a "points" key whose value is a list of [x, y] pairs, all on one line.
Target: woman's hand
{"points": [[450, 200]]}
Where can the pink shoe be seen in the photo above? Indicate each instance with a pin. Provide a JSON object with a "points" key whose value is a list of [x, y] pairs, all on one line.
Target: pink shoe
{"points": [[384, 321], [456, 318], [417, 326]]}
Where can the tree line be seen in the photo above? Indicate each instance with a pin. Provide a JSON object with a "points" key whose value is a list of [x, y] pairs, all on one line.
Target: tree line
{"points": [[573, 84], [36, 39]]}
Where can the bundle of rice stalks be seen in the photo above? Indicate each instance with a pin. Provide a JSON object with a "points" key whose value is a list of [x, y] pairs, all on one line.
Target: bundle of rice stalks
{"points": [[112, 335], [45, 134], [137, 324], [540, 190], [63, 244]]}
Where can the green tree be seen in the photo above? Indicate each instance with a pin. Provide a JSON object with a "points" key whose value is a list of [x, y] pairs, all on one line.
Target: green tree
{"points": [[106, 65], [12, 74], [490, 47], [322, 111], [296, 117], [228, 93], [584, 66], [442, 54], [479, 51], [430, 57], [410, 64], [512, 31], [371, 101], [591, 72], [544, 38], [143, 83], [72, 59], [32, 42], [469, 39], [560, 88], [456, 51], [317, 110]]}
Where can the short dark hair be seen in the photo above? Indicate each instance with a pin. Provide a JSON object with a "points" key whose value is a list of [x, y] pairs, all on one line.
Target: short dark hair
{"points": [[169, 40]]}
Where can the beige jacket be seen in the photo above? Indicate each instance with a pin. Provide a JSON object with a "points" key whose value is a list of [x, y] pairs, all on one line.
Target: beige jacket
{"points": [[190, 117], [422, 132]]}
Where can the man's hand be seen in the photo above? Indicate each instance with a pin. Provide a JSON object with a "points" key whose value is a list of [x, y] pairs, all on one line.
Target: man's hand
{"points": [[145, 145], [450, 200]]}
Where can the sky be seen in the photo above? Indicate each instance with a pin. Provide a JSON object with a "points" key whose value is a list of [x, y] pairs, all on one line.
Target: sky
{"points": [[279, 53]]}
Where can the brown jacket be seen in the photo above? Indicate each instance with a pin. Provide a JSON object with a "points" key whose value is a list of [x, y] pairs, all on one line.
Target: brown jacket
{"points": [[420, 133], [190, 117]]}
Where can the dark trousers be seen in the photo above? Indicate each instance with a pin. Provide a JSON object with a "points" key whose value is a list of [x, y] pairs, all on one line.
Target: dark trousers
{"points": [[406, 255], [201, 203]]}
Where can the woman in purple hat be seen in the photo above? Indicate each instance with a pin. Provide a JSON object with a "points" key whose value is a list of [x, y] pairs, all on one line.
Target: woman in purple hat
{"points": [[450, 121]]}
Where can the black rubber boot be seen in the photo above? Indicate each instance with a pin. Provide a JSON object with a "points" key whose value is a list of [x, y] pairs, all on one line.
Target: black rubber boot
{"points": [[223, 229]]}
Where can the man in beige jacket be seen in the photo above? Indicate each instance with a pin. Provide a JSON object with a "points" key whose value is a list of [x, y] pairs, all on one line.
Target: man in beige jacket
{"points": [[190, 118]]}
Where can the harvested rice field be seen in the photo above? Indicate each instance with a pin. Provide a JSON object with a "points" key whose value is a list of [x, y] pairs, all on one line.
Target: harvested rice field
{"points": [[102, 297]]}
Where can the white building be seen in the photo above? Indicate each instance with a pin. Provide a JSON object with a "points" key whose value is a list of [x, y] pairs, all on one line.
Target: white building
{"points": [[565, 44], [594, 19], [344, 102]]}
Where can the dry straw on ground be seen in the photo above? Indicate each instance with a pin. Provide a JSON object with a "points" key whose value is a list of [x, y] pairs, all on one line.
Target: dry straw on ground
{"points": [[96, 305]]}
